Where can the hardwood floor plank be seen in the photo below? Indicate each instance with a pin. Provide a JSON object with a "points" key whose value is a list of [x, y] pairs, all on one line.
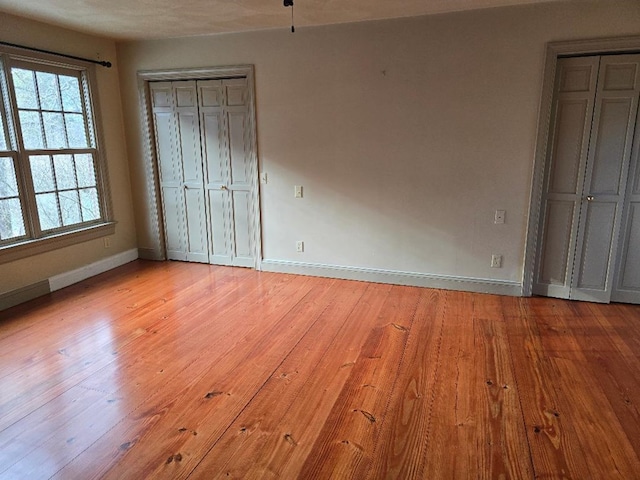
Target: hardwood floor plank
{"points": [[469, 411], [551, 437], [624, 320], [615, 368], [72, 359], [505, 443], [185, 371], [275, 433], [207, 390], [598, 429], [400, 452], [440, 434], [72, 418], [581, 400], [352, 428]]}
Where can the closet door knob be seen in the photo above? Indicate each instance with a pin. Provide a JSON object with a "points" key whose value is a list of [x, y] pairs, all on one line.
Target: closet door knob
{"points": [[224, 187], [590, 198]]}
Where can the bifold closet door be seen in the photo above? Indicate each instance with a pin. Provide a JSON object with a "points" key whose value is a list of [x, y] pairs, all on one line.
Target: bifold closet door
{"points": [[575, 89], [627, 285], [177, 134], [608, 164], [585, 191], [224, 112]]}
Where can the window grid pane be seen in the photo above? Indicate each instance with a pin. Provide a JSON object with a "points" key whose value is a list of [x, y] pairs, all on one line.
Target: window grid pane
{"points": [[70, 207], [70, 91], [8, 179], [31, 124], [11, 220], [11, 216], [42, 173], [24, 88], [65, 172], [90, 205], [48, 91], [48, 211], [54, 130]]}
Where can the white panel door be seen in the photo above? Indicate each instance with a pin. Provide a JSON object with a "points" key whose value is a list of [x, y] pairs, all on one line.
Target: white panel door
{"points": [[226, 142], [606, 177], [592, 129], [627, 285], [165, 131], [177, 132], [575, 89], [237, 116], [215, 153]]}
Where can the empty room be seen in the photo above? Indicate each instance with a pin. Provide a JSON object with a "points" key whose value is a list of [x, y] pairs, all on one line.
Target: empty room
{"points": [[320, 240]]}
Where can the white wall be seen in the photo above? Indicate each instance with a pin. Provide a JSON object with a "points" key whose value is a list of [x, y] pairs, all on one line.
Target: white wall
{"points": [[28, 271], [406, 134]]}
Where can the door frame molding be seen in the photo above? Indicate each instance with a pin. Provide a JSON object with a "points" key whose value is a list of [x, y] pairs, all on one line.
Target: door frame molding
{"points": [[150, 156], [555, 50]]}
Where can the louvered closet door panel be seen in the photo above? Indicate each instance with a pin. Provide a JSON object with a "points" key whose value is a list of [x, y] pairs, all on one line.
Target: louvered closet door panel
{"points": [[167, 152], [575, 88], [193, 180], [606, 177], [627, 285], [240, 174], [215, 150]]}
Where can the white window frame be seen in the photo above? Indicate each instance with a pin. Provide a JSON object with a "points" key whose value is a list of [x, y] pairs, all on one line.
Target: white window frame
{"points": [[36, 241]]}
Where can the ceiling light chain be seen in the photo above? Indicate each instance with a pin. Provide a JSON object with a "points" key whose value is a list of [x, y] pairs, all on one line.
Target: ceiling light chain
{"points": [[289, 3]]}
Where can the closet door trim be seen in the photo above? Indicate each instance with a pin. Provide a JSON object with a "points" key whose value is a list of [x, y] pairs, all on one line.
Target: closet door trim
{"points": [[157, 250], [554, 51]]}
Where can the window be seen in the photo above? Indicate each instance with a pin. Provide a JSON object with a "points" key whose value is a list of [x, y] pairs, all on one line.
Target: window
{"points": [[52, 177]]}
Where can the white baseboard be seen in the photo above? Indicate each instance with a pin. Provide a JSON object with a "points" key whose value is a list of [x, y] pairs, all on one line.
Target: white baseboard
{"points": [[24, 294], [29, 292], [69, 278], [479, 285]]}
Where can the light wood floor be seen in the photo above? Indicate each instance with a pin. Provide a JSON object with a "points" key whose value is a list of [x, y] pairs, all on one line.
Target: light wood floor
{"points": [[175, 370]]}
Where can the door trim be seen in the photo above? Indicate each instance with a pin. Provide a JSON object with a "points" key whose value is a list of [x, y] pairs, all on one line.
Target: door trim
{"points": [[554, 50], [150, 158]]}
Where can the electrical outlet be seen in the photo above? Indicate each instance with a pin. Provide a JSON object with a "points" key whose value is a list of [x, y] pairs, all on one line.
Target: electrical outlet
{"points": [[298, 191], [107, 242], [300, 246], [500, 216], [496, 261], [263, 177]]}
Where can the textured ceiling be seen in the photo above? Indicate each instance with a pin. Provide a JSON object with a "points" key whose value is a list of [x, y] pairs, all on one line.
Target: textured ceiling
{"points": [[142, 19]]}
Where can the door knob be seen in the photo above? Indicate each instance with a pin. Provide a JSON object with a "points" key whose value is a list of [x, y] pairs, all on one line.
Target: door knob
{"points": [[224, 187], [590, 198]]}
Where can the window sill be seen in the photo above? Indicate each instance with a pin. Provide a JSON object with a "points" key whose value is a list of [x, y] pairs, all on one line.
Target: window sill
{"points": [[14, 252]]}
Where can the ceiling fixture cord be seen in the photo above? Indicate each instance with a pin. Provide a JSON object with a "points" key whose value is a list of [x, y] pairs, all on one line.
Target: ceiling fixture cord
{"points": [[289, 3]]}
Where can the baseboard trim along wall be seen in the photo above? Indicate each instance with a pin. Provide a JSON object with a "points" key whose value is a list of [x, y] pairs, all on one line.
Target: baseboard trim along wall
{"points": [[478, 285], [24, 294], [74, 276]]}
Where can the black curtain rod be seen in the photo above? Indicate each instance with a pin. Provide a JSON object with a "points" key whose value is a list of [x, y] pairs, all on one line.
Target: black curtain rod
{"points": [[97, 62]]}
